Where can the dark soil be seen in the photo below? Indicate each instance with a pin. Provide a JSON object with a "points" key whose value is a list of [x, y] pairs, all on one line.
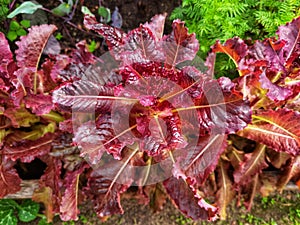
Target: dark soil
{"points": [[133, 12]]}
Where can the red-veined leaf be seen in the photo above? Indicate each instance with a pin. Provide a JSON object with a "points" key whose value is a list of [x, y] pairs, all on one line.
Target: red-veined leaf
{"points": [[9, 179], [252, 164], [108, 182], [83, 96], [113, 36], [40, 104], [197, 162], [31, 46], [188, 201], [179, 46], [69, 203], [98, 137], [27, 150], [157, 25]]}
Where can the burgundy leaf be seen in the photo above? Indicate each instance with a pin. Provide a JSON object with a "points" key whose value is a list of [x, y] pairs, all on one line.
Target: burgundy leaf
{"points": [[97, 138], [49, 190], [188, 201], [197, 162], [179, 46], [6, 56], [40, 104], [252, 164], [9, 179], [157, 25], [219, 106], [279, 130], [290, 33], [27, 150], [83, 96], [275, 92], [140, 46], [31, 46], [69, 203], [113, 36], [107, 183]]}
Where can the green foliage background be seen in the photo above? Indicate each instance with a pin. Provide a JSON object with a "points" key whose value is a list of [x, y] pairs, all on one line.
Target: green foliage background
{"points": [[223, 19]]}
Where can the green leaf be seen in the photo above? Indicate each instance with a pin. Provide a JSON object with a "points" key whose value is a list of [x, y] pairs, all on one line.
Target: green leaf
{"points": [[92, 46], [43, 221], [58, 36], [105, 13], [29, 210], [12, 35], [62, 10], [21, 32], [14, 25], [86, 11], [25, 23], [8, 218], [7, 204], [26, 7]]}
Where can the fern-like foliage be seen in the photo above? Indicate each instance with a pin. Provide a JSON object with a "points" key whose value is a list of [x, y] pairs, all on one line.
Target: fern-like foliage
{"points": [[213, 20]]}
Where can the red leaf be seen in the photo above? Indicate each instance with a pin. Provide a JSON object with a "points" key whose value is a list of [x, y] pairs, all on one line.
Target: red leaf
{"points": [[27, 150], [179, 46], [290, 33], [188, 201], [31, 46], [83, 96], [6, 56], [252, 164], [107, 183], [113, 36], [97, 138], [220, 107], [235, 48], [278, 129], [197, 162], [69, 203], [140, 46], [157, 25], [9, 179], [40, 104], [50, 184]]}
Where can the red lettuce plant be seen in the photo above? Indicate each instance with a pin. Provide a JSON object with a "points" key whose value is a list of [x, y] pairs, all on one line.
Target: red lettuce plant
{"points": [[143, 115], [269, 79], [158, 120]]}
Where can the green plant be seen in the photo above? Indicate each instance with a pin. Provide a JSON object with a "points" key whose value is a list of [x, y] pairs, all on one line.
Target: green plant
{"points": [[213, 20], [4, 9], [17, 29], [11, 212]]}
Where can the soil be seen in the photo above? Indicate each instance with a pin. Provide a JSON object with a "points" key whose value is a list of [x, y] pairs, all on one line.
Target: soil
{"points": [[133, 12]]}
